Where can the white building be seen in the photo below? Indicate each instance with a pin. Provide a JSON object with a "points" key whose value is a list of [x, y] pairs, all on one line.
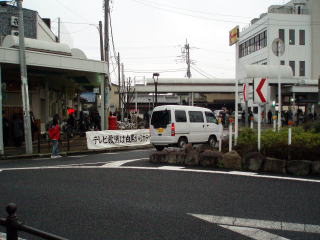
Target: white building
{"points": [[297, 24]]}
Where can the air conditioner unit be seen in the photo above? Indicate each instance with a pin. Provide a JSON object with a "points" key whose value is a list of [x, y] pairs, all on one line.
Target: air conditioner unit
{"points": [[15, 33], [14, 21]]}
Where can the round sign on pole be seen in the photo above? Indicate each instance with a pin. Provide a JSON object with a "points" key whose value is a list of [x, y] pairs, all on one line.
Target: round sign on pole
{"points": [[278, 47]]}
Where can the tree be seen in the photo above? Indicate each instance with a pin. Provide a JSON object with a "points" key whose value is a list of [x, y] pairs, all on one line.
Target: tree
{"points": [[127, 91]]}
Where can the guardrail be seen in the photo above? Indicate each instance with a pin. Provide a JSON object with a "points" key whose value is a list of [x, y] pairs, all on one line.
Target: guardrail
{"points": [[12, 226]]}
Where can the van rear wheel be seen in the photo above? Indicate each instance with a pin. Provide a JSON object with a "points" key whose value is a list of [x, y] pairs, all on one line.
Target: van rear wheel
{"points": [[212, 141], [182, 141], [159, 148]]}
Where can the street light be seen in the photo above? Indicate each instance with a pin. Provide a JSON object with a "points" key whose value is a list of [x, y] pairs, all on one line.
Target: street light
{"points": [[155, 77]]}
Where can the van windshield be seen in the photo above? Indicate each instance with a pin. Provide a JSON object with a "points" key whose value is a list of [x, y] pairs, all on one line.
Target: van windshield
{"points": [[160, 118]]}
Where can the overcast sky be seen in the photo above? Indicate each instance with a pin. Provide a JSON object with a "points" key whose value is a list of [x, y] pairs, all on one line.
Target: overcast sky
{"points": [[149, 34]]}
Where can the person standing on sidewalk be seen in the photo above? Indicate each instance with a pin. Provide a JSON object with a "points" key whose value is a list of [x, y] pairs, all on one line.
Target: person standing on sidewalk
{"points": [[54, 135]]}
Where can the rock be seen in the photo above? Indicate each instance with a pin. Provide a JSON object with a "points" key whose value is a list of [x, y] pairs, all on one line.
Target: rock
{"points": [[180, 158], [159, 157], [231, 160], [203, 147], [192, 158], [210, 158], [172, 157], [315, 167], [176, 157], [252, 161], [299, 167], [274, 165], [188, 148]]}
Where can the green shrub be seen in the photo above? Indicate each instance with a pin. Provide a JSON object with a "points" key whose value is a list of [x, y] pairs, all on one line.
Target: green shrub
{"points": [[305, 144]]}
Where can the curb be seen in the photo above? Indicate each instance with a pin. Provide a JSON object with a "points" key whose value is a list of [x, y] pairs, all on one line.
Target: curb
{"points": [[70, 153]]}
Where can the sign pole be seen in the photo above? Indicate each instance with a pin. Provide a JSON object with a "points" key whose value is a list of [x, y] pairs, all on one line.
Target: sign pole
{"points": [[236, 110], [259, 127], [230, 136], [279, 100]]}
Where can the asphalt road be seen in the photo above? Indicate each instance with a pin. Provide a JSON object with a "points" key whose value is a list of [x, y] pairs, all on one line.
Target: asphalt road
{"points": [[98, 197]]}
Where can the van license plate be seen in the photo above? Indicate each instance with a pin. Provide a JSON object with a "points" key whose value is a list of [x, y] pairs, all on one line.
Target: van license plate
{"points": [[160, 130]]}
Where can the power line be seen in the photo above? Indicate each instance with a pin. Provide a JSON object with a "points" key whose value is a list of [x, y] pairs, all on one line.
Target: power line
{"points": [[157, 70], [203, 73], [217, 20], [71, 10], [185, 14], [195, 11]]}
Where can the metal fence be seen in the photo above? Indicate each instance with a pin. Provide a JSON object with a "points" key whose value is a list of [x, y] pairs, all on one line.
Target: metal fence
{"points": [[13, 226]]}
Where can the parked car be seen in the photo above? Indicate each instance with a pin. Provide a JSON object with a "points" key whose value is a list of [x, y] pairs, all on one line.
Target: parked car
{"points": [[177, 125]]}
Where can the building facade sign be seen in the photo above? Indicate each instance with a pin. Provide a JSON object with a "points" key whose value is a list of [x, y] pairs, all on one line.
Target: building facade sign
{"points": [[234, 35]]}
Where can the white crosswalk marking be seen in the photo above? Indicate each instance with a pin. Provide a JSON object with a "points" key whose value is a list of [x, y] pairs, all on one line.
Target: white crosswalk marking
{"points": [[252, 227], [254, 233], [120, 163]]}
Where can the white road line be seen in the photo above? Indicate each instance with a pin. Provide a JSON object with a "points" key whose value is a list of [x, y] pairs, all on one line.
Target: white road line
{"points": [[254, 233], [243, 173], [170, 168], [236, 173], [117, 164], [255, 223]]}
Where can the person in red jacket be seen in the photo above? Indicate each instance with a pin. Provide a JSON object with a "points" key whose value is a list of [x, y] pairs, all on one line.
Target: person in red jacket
{"points": [[54, 135]]}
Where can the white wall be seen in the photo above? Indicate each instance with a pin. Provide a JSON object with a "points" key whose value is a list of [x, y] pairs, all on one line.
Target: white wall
{"points": [[294, 52], [315, 34], [43, 31]]}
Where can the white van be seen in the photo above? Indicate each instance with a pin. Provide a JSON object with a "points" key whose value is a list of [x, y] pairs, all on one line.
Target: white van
{"points": [[176, 125]]}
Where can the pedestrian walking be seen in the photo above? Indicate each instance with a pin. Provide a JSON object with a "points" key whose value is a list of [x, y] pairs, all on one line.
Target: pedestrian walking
{"points": [[17, 129], [54, 135], [34, 127], [269, 116], [5, 129]]}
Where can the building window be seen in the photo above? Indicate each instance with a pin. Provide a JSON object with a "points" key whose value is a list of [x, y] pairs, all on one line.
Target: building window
{"points": [[291, 37], [282, 62], [281, 34], [292, 65], [256, 43], [302, 68], [302, 37], [253, 44]]}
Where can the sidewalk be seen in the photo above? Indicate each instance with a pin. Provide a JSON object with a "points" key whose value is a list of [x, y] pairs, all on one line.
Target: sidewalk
{"points": [[77, 145]]}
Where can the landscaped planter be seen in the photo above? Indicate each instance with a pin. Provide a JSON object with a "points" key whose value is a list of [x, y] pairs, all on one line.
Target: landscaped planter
{"points": [[251, 161]]}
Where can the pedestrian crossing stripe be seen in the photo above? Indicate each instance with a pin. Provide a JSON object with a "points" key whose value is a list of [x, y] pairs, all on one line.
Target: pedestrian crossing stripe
{"points": [[252, 228]]}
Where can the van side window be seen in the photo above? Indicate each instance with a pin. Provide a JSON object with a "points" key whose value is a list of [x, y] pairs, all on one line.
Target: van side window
{"points": [[196, 116], [210, 118], [180, 116]]}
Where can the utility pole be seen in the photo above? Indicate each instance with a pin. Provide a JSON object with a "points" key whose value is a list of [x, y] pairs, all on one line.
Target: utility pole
{"points": [[123, 93], [24, 83], [106, 54], [119, 81], [59, 30], [1, 117], [101, 41], [187, 47]]}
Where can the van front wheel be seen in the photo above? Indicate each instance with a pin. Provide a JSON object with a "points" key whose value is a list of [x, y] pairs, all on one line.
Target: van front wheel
{"points": [[159, 148], [182, 141], [212, 141]]}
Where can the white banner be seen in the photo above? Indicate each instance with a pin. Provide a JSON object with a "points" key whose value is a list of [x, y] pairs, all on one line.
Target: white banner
{"points": [[117, 138]]}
